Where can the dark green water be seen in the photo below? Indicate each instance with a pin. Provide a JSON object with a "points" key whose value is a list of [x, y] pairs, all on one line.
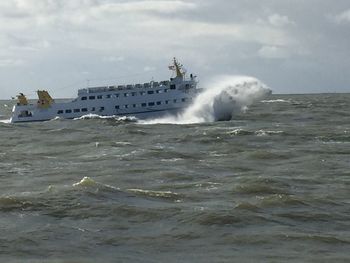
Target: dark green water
{"points": [[272, 185]]}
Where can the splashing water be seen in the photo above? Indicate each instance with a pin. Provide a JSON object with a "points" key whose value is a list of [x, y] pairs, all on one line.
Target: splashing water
{"points": [[112, 117], [219, 102]]}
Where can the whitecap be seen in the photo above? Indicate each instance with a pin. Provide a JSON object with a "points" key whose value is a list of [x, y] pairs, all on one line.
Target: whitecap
{"points": [[267, 133], [111, 117], [164, 194], [57, 118], [6, 121], [86, 181], [276, 101]]}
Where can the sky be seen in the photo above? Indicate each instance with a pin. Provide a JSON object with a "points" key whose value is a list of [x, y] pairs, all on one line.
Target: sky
{"points": [[293, 46]]}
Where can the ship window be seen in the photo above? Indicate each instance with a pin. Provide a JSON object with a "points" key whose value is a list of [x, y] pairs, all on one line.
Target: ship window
{"points": [[159, 102], [126, 94], [76, 110], [172, 86], [166, 90], [91, 97], [108, 96], [126, 106], [159, 91], [24, 114], [83, 98], [144, 104], [116, 95], [133, 93], [150, 103], [183, 100], [99, 97], [150, 92], [93, 109], [117, 107], [166, 102], [68, 111], [187, 85], [134, 105], [102, 108], [60, 112], [142, 93], [175, 101], [84, 109]]}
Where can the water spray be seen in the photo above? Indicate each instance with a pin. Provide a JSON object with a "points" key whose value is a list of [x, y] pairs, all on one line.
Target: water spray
{"points": [[220, 100]]}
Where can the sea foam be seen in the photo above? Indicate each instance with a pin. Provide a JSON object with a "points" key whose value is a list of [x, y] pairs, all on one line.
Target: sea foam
{"points": [[8, 121], [112, 117]]}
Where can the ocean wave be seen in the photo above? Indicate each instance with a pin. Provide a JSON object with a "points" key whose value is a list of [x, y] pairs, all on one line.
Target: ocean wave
{"points": [[161, 194], [243, 132], [281, 200], [7, 121], [268, 132], [240, 132], [270, 155], [227, 218], [87, 182], [261, 186], [100, 189], [13, 203], [224, 97], [276, 101], [334, 138], [112, 117], [246, 206], [328, 239]]}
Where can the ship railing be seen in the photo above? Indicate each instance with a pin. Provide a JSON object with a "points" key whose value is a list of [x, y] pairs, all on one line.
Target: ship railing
{"points": [[154, 84], [97, 89], [165, 82], [147, 85]]}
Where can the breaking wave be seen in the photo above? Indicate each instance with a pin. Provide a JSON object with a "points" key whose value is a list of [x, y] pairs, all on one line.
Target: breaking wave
{"points": [[113, 117], [7, 121], [276, 101], [220, 101]]}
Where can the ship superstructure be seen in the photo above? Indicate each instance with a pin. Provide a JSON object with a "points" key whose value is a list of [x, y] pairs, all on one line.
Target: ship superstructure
{"points": [[143, 101]]}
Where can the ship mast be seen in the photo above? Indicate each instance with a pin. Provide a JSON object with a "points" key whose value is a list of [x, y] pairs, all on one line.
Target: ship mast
{"points": [[177, 67]]}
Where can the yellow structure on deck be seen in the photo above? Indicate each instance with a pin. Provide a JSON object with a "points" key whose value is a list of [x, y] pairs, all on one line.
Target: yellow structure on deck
{"points": [[45, 99], [22, 100]]}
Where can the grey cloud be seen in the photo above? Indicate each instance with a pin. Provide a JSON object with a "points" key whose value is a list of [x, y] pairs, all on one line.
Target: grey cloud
{"points": [[286, 43]]}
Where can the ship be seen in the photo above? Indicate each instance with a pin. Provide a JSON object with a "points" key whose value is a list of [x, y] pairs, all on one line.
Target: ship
{"points": [[142, 101]]}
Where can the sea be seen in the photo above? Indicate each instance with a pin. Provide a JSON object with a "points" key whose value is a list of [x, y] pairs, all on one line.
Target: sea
{"points": [[269, 184]]}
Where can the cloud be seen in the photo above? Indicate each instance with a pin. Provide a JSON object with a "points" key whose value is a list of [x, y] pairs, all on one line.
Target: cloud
{"points": [[149, 68], [210, 37], [145, 6], [279, 20], [105, 25], [343, 17], [113, 59], [273, 52], [10, 62]]}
